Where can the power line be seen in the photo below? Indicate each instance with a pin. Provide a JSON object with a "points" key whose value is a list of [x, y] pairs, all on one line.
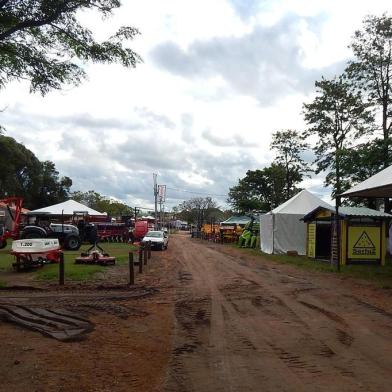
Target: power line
{"points": [[196, 193]]}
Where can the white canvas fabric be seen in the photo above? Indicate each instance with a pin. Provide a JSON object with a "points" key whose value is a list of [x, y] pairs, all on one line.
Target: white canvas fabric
{"points": [[67, 208], [282, 230], [266, 233]]}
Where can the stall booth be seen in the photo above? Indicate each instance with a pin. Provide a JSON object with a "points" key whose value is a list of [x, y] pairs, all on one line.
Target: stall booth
{"points": [[363, 235], [232, 228]]}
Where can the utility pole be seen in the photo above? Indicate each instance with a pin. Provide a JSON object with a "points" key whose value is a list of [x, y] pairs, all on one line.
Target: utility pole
{"points": [[155, 200]]}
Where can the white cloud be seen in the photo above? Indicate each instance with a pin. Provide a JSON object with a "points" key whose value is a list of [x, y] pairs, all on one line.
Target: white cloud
{"points": [[217, 79]]}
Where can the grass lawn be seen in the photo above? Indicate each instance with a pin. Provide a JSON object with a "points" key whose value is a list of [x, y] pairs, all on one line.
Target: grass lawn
{"points": [[76, 272], [381, 275]]}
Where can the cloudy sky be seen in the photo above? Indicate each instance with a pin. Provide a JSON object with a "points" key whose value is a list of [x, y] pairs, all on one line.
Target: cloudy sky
{"points": [[218, 78]]}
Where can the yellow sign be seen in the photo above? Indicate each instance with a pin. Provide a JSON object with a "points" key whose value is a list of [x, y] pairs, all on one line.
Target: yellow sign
{"points": [[312, 240], [364, 242]]}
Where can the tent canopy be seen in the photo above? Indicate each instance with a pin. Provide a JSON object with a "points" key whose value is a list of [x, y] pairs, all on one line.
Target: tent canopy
{"points": [[379, 185], [301, 203], [66, 208], [237, 220]]}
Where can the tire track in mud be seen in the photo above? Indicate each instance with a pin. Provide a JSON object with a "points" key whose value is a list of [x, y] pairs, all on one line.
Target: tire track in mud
{"points": [[251, 329]]}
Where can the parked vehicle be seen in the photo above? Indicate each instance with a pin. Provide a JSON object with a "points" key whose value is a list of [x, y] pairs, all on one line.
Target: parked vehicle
{"points": [[68, 235], [159, 239]]}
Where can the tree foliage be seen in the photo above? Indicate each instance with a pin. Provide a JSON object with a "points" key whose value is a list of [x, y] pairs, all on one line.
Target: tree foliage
{"points": [[43, 41], [337, 116], [199, 210], [22, 174], [371, 72], [289, 146], [102, 203], [260, 190]]}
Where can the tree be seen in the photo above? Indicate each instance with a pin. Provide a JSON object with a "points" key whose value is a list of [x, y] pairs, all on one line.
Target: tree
{"points": [[102, 203], [43, 41], [199, 210], [260, 190], [289, 146], [22, 174], [371, 71], [336, 116]]}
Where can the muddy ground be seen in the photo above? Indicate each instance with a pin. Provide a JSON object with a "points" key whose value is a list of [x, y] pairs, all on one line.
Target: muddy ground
{"points": [[215, 318]]}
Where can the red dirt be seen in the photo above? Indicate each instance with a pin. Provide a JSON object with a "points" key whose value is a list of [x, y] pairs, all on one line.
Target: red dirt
{"points": [[222, 320]]}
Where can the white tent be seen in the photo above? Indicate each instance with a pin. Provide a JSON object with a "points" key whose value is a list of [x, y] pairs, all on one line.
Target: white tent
{"points": [[67, 208], [282, 230]]}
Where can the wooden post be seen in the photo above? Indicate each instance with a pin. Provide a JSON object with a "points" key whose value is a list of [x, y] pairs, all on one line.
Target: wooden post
{"points": [[145, 254], [149, 249], [61, 269], [140, 260], [131, 270]]}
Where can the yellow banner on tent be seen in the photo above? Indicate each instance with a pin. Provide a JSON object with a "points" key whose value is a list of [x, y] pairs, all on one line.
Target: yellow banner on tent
{"points": [[312, 240], [364, 242]]}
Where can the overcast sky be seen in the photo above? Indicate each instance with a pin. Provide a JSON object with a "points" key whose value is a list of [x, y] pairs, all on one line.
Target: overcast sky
{"points": [[218, 78]]}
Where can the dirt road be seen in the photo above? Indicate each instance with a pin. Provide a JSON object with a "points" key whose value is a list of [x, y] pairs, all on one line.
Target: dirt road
{"points": [[247, 325], [217, 319]]}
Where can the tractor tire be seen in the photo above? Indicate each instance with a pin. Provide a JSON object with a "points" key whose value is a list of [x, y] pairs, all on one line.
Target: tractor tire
{"points": [[32, 233], [3, 244], [72, 242]]}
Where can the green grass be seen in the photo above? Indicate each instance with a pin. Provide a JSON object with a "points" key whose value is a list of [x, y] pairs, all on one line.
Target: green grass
{"points": [[380, 275], [75, 272]]}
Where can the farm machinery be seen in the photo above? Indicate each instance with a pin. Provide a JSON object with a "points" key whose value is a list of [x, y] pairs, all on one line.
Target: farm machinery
{"points": [[95, 254], [67, 235], [34, 253], [250, 234]]}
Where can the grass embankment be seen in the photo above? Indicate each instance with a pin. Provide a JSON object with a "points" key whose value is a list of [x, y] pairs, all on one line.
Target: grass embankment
{"points": [[380, 275], [75, 272]]}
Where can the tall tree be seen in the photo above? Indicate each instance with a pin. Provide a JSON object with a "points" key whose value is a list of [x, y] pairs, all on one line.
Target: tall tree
{"points": [[198, 210], [336, 116], [289, 146], [44, 42], [22, 174], [371, 71], [260, 190]]}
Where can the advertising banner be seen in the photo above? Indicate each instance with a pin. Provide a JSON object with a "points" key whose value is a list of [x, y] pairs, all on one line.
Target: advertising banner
{"points": [[364, 243], [312, 240]]}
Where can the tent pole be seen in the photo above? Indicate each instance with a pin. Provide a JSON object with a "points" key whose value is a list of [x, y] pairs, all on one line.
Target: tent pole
{"points": [[337, 227]]}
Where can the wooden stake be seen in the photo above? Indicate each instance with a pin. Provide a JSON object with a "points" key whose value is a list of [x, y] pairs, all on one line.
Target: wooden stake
{"points": [[131, 270], [61, 269]]}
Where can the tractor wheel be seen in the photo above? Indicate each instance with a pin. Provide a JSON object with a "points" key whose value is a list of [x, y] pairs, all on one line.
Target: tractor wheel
{"points": [[3, 244], [72, 242]]}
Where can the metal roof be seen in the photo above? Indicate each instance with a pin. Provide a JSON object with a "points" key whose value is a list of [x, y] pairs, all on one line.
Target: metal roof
{"points": [[360, 212]]}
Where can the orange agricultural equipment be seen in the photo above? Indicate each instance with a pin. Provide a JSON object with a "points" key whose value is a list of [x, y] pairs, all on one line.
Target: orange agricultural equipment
{"points": [[13, 206]]}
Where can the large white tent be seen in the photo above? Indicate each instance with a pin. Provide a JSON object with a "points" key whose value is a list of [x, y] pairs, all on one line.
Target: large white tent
{"points": [[66, 208], [282, 230]]}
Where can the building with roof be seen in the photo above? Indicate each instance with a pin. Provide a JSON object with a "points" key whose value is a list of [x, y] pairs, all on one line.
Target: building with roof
{"points": [[363, 235]]}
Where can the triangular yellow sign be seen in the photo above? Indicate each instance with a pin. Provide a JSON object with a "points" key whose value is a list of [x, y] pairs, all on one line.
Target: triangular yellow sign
{"points": [[364, 241]]}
